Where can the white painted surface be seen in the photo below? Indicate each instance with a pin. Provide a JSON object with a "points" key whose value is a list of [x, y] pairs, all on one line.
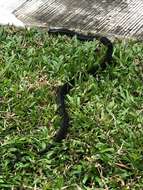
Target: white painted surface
{"points": [[10, 5], [6, 15]]}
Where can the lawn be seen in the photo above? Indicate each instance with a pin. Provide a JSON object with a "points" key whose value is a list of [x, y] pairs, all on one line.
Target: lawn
{"points": [[104, 147]]}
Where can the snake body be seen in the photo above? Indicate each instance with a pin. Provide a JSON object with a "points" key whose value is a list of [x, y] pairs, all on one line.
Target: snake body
{"points": [[65, 88]]}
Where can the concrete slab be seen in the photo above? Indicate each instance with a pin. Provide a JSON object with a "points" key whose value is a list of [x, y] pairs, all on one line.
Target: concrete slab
{"points": [[122, 18], [116, 17]]}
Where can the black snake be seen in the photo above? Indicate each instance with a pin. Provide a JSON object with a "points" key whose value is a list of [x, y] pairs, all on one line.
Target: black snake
{"points": [[65, 88]]}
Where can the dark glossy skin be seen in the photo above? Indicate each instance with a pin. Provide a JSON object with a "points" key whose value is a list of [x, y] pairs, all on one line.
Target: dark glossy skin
{"points": [[64, 89]]}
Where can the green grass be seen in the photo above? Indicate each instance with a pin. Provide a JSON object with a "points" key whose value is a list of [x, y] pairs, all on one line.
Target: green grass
{"points": [[104, 148]]}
